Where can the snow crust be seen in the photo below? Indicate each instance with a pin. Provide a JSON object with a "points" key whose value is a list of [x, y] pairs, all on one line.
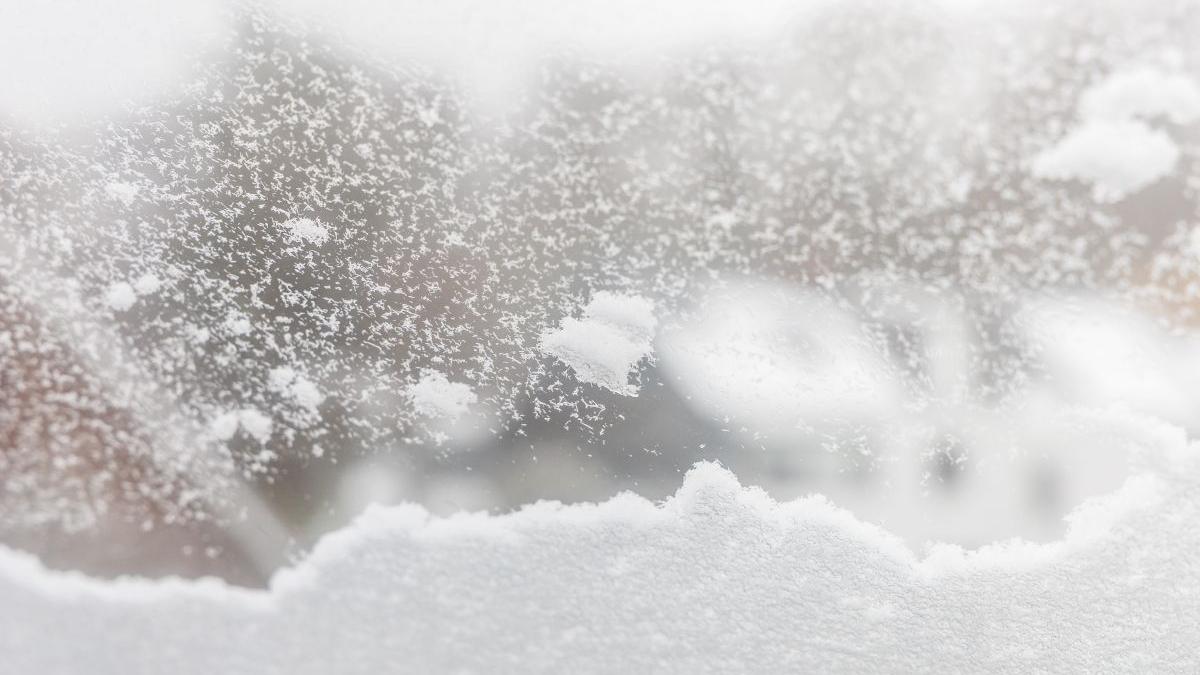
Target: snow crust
{"points": [[605, 346], [719, 577]]}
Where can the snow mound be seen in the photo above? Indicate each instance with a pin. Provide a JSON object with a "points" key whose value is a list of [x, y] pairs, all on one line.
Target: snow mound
{"points": [[718, 577], [605, 346]]}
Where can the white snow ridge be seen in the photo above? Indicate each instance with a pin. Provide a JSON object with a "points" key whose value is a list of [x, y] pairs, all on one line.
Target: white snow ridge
{"points": [[719, 578], [605, 346]]}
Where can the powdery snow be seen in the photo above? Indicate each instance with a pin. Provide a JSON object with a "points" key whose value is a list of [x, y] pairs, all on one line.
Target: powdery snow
{"points": [[718, 578], [435, 396], [1118, 158], [605, 346]]}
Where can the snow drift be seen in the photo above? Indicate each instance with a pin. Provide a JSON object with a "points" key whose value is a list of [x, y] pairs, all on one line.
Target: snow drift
{"points": [[719, 577]]}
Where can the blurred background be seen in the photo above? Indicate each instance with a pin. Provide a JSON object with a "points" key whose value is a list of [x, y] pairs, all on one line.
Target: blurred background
{"points": [[262, 265]]}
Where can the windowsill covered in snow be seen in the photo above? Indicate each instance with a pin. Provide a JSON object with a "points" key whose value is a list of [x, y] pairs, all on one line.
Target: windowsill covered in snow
{"points": [[718, 575]]}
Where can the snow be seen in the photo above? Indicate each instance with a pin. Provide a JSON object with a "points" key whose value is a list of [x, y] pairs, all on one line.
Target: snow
{"points": [[1142, 92], [255, 423], [120, 296], [1118, 158], [147, 284], [69, 60], [1115, 148], [301, 390], [437, 397], [237, 323], [606, 345], [829, 212], [124, 193], [251, 420], [718, 577], [774, 358], [306, 231]]}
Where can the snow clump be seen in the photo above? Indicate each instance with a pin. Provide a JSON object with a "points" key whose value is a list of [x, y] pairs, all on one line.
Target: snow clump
{"points": [[1117, 158], [605, 346], [435, 396], [306, 231], [250, 420], [1113, 149]]}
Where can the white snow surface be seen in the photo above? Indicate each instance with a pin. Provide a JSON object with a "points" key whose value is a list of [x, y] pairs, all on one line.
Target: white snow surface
{"points": [[1118, 158], [718, 578], [605, 346]]}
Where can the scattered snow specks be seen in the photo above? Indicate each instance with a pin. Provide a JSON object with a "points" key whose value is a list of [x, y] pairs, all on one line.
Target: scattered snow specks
{"points": [[1144, 93], [306, 231], [1114, 148], [120, 296], [250, 420], [1117, 158], [435, 396], [301, 390], [605, 346]]}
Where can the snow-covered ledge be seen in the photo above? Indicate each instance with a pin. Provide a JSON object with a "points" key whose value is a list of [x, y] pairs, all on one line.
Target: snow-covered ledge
{"points": [[718, 578]]}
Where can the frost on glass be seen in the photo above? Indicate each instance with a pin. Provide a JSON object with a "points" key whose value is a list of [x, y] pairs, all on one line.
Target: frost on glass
{"points": [[937, 264]]}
